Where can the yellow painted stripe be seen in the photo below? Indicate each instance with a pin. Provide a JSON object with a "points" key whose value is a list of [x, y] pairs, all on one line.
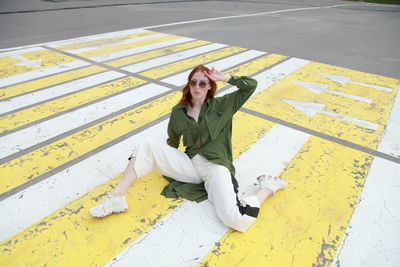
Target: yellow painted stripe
{"points": [[110, 40], [34, 85], [156, 73], [155, 53], [256, 65], [304, 224], [269, 102], [111, 49], [70, 237], [23, 117], [31, 165], [48, 59]]}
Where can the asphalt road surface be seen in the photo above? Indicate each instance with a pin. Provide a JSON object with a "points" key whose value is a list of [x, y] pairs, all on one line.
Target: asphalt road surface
{"points": [[354, 35]]}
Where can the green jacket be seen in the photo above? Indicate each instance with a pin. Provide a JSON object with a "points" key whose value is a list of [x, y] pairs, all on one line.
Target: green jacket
{"points": [[210, 136]]}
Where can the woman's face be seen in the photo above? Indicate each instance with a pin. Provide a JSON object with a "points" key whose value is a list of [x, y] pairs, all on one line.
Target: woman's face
{"points": [[199, 86]]}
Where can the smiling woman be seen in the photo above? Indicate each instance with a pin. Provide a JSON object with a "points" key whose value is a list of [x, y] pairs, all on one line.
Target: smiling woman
{"points": [[205, 170]]}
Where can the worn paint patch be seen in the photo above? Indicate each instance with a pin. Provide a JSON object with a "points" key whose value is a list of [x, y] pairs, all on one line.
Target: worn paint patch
{"points": [[273, 102], [304, 224]]}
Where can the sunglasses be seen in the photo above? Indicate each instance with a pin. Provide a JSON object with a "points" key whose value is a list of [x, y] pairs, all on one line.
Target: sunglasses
{"points": [[201, 84]]}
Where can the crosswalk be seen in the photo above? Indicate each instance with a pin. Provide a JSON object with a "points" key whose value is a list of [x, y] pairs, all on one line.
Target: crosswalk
{"points": [[71, 112]]}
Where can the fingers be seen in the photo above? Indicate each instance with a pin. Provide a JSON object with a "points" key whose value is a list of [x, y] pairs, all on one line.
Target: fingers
{"points": [[214, 74], [209, 76]]}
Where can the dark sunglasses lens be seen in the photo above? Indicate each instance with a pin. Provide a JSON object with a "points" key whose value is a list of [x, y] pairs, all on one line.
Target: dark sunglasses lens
{"points": [[202, 84], [192, 83]]}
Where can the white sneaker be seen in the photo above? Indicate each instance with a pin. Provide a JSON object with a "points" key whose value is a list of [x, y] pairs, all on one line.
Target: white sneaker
{"points": [[109, 205], [272, 183]]}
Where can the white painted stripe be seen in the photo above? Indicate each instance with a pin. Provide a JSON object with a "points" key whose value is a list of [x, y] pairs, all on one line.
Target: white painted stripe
{"points": [[188, 233], [377, 87], [115, 42], [390, 142], [180, 79], [95, 37], [377, 210], [43, 131], [69, 184], [152, 63], [35, 74], [270, 76], [246, 15], [318, 88], [359, 122], [56, 91], [140, 49], [20, 51], [354, 97], [372, 236]]}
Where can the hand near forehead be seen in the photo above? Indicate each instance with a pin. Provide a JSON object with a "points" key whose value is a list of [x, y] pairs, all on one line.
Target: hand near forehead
{"points": [[216, 75]]}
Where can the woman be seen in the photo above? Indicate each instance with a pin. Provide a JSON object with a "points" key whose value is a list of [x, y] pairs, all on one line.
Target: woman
{"points": [[205, 123]]}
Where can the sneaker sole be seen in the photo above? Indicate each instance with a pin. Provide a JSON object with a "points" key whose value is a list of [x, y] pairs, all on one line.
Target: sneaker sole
{"points": [[117, 211]]}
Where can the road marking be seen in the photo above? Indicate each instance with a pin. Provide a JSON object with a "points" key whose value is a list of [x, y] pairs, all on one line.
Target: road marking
{"points": [[48, 59], [191, 62], [319, 88], [111, 34], [269, 103], [70, 184], [73, 74], [311, 109], [136, 51], [59, 90], [84, 47], [148, 64], [121, 47], [180, 78], [270, 76], [376, 210], [244, 16], [305, 223], [51, 128], [35, 85], [192, 241], [73, 222], [36, 163], [102, 37], [390, 142], [36, 74], [51, 185], [346, 79], [55, 107], [26, 62], [372, 234], [20, 51], [62, 183]]}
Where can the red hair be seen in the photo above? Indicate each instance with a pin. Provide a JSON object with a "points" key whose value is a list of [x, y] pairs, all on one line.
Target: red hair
{"points": [[186, 99]]}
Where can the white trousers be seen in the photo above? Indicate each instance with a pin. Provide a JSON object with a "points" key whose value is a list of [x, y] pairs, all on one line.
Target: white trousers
{"points": [[174, 163]]}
